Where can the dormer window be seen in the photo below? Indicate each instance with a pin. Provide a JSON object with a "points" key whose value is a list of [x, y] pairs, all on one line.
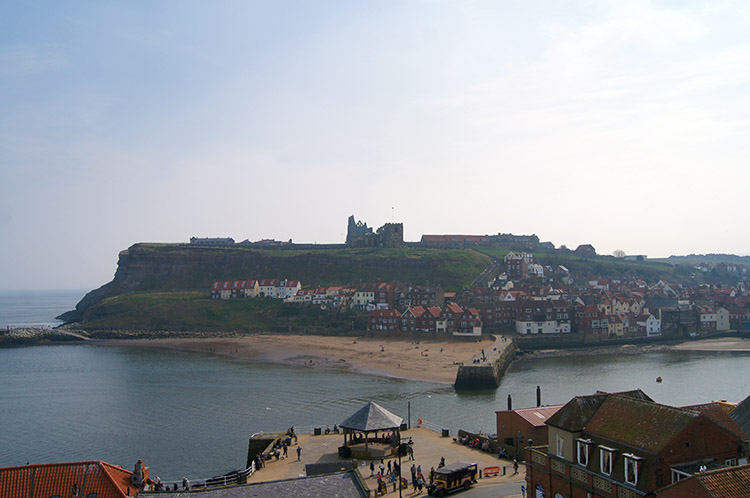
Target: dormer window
{"points": [[632, 468], [560, 446], [583, 451], [606, 459]]}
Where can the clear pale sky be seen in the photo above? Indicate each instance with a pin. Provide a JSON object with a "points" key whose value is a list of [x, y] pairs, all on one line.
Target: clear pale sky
{"points": [[621, 124]]}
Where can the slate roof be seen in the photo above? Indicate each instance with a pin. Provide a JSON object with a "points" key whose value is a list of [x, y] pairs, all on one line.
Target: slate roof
{"points": [[640, 424], [576, 413], [59, 479], [741, 415], [372, 417], [340, 485]]}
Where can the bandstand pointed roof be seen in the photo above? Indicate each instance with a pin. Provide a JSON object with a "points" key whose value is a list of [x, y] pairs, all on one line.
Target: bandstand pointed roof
{"points": [[372, 417]]}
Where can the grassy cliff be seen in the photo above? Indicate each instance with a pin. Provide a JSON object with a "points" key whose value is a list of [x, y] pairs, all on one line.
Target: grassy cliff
{"points": [[169, 267]]}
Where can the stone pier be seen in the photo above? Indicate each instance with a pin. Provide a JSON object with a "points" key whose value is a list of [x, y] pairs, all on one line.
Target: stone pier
{"points": [[486, 369]]}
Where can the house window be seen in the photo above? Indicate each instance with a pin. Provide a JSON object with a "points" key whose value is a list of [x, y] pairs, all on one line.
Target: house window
{"points": [[584, 447], [632, 468], [731, 462], [606, 460], [560, 445]]}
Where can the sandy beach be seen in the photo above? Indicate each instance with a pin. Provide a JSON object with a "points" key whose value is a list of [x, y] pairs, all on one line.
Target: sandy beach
{"points": [[431, 360], [719, 344]]}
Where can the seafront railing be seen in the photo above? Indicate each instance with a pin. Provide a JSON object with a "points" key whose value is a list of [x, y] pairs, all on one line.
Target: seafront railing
{"points": [[230, 479]]}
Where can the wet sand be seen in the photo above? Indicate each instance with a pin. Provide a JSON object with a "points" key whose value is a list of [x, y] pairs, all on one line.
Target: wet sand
{"points": [[430, 360]]}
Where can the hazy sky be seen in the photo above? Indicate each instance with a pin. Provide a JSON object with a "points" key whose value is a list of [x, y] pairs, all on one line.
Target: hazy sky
{"points": [[621, 124]]}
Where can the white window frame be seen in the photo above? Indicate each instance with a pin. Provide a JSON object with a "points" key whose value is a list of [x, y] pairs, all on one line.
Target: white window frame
{"points": [[606, 455], [632, 461], [585, 446], [560, 445]]}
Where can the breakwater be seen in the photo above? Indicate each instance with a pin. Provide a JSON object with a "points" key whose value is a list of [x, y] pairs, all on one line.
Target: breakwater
{"points": [[486, 370]]}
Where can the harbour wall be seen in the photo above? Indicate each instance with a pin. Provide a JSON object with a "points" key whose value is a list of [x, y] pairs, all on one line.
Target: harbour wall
{"points": [[487, 374]]}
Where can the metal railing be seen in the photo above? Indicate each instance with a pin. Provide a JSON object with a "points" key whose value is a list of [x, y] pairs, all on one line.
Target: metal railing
{"points": [[230, 479]]}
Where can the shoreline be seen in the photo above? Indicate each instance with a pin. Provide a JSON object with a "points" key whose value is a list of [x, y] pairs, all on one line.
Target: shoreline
{"points": [[710, 345], [430, 360]]}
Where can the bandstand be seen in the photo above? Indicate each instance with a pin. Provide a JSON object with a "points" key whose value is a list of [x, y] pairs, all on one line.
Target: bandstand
{"points": [[372, 432]]}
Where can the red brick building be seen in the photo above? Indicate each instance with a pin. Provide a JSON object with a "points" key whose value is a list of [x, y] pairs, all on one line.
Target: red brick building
{"points": [[618, 446]]}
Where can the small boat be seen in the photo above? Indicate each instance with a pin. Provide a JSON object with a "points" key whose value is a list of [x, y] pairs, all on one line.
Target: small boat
{"points": [[658, 379]]}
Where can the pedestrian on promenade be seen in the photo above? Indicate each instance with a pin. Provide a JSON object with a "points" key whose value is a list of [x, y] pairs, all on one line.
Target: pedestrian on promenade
{"points": [[411, 453], [381, 467], [285, 448], [515, 466], [185, 484], [372, 469], [432, 475], [389, 466], [299, 453]]}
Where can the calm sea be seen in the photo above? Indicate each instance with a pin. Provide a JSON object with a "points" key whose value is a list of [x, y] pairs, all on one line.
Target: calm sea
{"points": [[36, 308], [191, 414]]}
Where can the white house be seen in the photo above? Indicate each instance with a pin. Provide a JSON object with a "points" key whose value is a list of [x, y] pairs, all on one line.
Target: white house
{"points": [[267, 288], [651, 324], [287, 288], [542, 327]]}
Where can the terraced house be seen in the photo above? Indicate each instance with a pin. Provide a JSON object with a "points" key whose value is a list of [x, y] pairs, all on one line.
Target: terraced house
{"points": [[626, 446]]}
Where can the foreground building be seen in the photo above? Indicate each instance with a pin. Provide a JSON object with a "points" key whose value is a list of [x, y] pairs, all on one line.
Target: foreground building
{"points": [[93, 479], [626, 446]]}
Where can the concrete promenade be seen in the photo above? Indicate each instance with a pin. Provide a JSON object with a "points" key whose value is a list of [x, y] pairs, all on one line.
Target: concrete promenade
{"points": [[429, 446]]}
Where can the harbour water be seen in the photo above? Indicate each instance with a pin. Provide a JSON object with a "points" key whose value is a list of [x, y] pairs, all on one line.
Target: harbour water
{"points": [[191, 414]]}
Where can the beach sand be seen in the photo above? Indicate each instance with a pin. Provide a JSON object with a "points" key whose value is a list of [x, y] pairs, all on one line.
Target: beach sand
{"points": [[431, 360], [719, 344]]}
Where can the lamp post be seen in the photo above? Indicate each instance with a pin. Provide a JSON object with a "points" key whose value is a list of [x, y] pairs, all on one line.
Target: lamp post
{"points": [[399, 464]]}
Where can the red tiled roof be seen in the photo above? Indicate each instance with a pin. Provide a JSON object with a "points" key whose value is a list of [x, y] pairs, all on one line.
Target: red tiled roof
{"points": [[434, 311], [59, 479], [732, 482], [417, 311], [454, 308], [715, 412]]}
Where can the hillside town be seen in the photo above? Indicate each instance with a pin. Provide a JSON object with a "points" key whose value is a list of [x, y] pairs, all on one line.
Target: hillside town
{"points": [[527, 299]]}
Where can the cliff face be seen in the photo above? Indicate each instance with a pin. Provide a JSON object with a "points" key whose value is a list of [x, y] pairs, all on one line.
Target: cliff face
{"points": [[148, 267]]}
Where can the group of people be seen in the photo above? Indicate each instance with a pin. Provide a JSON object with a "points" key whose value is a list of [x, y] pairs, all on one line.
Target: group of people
{"points": [[390, 471]]}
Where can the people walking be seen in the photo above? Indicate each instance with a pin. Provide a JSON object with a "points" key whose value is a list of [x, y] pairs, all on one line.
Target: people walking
{"points": [[372, 469], [515, 466], [299, 453]]}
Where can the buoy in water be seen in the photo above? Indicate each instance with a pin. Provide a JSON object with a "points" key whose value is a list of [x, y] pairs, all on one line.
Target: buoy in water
{"points": [[658, 379]]}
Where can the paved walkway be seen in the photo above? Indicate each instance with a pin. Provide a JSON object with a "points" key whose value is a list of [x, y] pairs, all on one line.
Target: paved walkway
{"points": [[429, 446]]}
